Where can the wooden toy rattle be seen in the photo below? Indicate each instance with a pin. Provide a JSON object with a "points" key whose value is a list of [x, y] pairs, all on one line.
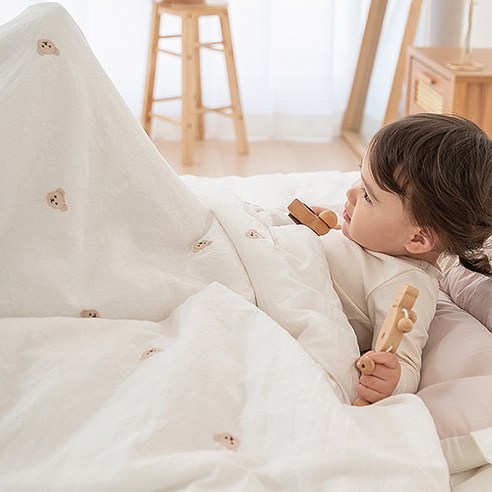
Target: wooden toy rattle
{"points": [[398, 321], [300, 213]]}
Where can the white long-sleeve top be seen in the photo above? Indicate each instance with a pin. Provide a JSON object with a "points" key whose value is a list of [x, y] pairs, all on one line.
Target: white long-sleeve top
{"points": [[367, 282]]}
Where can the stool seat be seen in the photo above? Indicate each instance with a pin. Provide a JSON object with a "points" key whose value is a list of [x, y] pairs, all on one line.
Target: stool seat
{"points": [[202, 7], [191, 122]]}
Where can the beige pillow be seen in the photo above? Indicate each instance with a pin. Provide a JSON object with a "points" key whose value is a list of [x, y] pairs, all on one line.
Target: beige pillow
{"points": [[456, 385], [469, 290]]}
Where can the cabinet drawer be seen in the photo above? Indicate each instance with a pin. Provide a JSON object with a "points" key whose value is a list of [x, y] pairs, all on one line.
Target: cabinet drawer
{"points": [[429, 91]]}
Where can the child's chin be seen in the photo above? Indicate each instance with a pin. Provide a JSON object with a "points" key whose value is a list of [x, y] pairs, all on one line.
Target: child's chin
{"points": [[346, 233], [346, 230]]}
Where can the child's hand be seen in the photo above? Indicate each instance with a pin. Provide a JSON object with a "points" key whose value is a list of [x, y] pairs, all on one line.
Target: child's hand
{"points": [[383, 380]]}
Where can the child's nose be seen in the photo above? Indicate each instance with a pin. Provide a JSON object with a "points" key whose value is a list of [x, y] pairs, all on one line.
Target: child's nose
{"points": [[351, 195]]}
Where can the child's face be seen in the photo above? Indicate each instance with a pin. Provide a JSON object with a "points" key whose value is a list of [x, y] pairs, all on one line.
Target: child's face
{"points": [[375, 218]]}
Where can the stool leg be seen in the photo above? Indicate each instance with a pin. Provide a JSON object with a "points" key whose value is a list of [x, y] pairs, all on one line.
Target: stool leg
{"points": [[241, 142], [198, 81], [151, 68], [188, 82]]}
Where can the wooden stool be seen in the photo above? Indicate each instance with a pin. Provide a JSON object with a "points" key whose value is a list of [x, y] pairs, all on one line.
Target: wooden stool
{"points": [[192, 108]]}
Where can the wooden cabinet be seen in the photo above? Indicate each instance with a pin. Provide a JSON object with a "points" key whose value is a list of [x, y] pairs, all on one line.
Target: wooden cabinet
{"points": [[434, 88]]}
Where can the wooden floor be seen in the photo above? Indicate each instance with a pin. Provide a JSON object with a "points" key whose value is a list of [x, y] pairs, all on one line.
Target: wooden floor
{"points": [[219, 158]]}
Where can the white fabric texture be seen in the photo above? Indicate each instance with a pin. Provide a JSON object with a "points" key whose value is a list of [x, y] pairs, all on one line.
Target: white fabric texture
{"points": [[114, 249], [177, 380], [220, 366], [129, 240]]}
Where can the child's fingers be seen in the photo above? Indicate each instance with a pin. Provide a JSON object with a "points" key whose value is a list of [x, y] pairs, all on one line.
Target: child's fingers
{"points": [[381, 382], [384, 372], [387, 359], [369, 394], [380, 385]]}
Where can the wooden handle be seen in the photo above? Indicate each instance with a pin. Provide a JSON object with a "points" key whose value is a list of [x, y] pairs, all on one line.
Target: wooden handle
{"points": [[366, 365]]}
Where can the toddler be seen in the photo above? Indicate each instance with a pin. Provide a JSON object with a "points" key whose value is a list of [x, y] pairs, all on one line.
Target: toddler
{"points": [[425, 190]]}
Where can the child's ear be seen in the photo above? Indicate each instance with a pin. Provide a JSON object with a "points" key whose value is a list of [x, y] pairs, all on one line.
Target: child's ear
{"points": [[420, 242]]}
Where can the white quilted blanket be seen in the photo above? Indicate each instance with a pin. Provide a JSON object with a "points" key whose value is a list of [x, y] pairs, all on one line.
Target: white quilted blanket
{"points": [[155, 338]]}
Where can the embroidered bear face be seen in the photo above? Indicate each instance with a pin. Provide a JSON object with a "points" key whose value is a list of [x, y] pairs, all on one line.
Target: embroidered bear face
{"points": [[56, 199], [150, 352], [47, 47], [227, 440], [89, 313], [199, 245], [253, 234]]}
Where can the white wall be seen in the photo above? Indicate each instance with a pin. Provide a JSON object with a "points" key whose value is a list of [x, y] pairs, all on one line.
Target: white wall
{"points": [[482, 24], [444, 23], [444, 19]]}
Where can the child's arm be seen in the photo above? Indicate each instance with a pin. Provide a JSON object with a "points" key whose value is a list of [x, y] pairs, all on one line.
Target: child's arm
{"points": [[381, 369], [409, 352]]}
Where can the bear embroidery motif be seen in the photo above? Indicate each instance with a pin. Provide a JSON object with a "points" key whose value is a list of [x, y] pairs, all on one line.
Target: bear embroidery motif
{"points": [[56, 199], [47, 47], [253, 234], [89, 313], [199, 245], [227, 440], [150, 352]]}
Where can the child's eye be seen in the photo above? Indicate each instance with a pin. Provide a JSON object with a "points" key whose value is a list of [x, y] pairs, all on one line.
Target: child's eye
{"points": [[366, 197]]}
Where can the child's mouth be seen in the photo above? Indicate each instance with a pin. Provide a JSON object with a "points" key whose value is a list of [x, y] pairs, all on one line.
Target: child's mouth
{"points": [[345, 216]]}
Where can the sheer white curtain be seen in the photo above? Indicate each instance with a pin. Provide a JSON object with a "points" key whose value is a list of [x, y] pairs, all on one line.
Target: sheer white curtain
{"points": [[295, 60]]}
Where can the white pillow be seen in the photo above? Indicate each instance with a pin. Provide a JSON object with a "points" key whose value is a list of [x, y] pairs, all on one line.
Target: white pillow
{"points": [[456, 385]]}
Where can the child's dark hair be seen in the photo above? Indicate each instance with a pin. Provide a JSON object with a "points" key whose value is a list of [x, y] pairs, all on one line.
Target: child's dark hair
{"points": [[441, 167]]}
